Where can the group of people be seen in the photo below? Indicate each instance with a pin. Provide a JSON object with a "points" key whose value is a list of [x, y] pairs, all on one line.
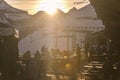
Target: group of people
{"points": [[36, 67], [33, 67]]}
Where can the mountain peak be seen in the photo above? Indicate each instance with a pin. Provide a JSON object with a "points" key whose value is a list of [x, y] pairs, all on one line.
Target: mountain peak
{"points": [[41, 12], [89, 6], [59, 11], [88, 10], [74, 9]]}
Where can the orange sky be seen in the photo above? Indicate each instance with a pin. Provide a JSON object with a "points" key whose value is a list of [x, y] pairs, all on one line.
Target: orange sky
{"points": [[32, 6]]}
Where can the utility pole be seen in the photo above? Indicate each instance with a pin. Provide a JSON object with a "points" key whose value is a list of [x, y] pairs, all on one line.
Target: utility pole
{"points": [[56, 41], [67, 41]]}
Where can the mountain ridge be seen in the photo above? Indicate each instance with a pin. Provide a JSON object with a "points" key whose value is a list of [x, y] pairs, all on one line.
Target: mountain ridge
{"points": [[27, 24]]}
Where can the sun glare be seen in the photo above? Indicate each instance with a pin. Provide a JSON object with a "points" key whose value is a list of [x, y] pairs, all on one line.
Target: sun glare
{"points": [[50, 6]]}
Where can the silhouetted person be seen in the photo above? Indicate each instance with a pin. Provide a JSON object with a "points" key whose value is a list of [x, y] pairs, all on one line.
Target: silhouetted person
{"points": [[43, 49], [26, 57], [37, 55], [26, 61], [33, 70], [78, 51], [108, 69]]}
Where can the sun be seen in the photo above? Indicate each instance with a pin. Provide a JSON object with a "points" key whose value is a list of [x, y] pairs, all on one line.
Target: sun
{"points": [[50, 6]]}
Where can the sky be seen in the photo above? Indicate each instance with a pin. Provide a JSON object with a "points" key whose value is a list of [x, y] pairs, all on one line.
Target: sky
{"points": [[32, 6]]}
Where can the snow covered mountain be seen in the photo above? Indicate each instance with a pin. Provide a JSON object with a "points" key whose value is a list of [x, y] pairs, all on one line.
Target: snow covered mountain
{"points": [[84, 17], [87, 11]]}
